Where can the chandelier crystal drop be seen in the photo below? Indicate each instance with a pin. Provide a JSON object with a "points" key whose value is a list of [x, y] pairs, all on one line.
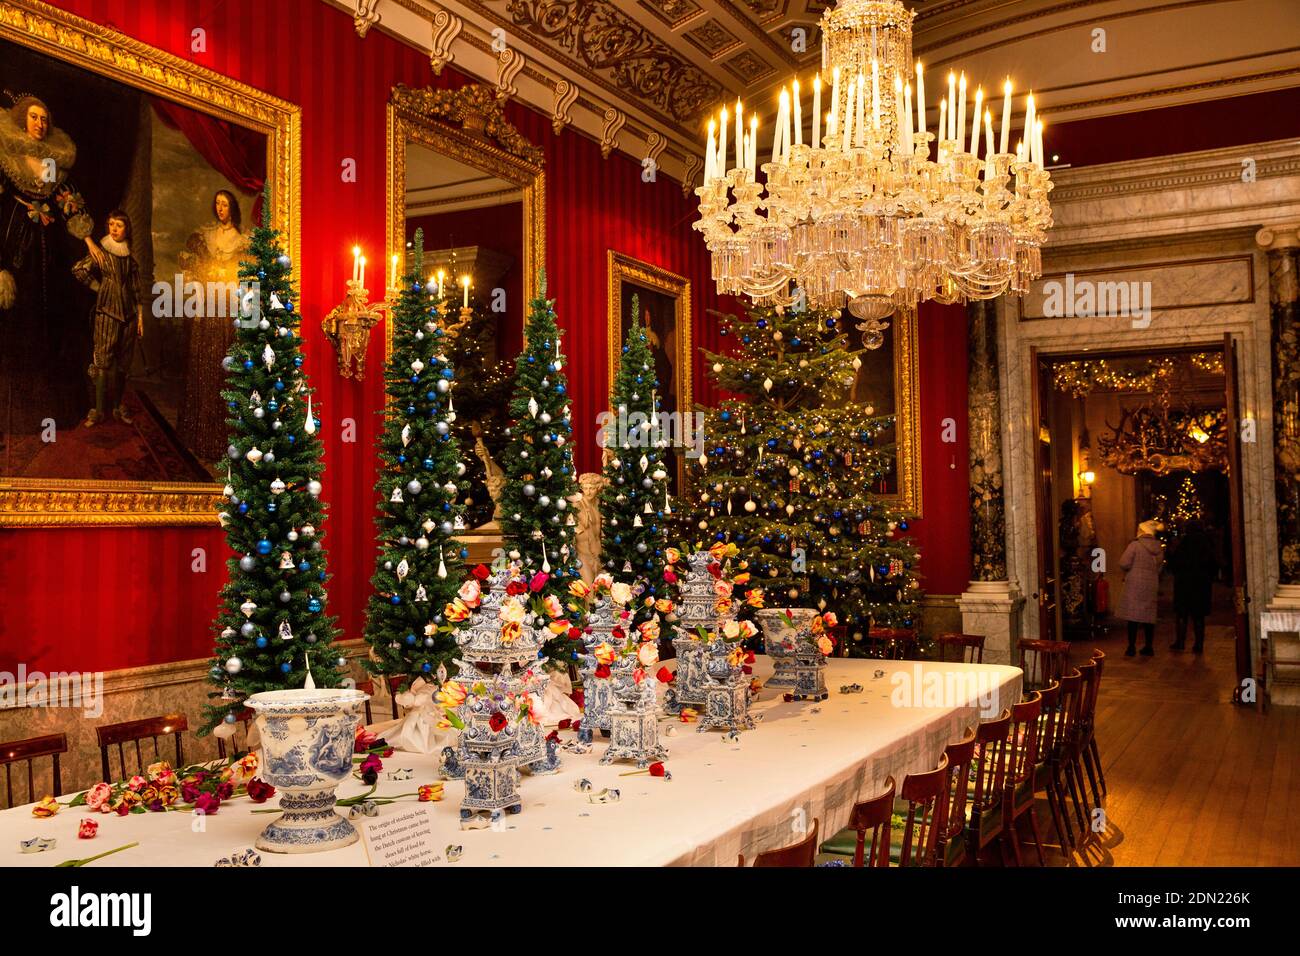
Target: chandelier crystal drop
{"points": [[867, 215]]}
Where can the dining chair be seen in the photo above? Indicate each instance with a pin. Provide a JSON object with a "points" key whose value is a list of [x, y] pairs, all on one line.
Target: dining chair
{"points": [[1047, 779], [1083, 728], [1042, 661], [25, 751], [989, 768], [242, 720], [803, 853], [923, 793], [1022, 761], [135, 731], [966, 648], [1092, 754], [1064, 760], [893, 643], [367, 687], [870, 820], [952, 844]]}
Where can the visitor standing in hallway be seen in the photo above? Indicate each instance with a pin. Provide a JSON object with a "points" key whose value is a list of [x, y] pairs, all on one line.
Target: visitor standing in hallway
{"points": [[1194, 567], [1141, 561]]}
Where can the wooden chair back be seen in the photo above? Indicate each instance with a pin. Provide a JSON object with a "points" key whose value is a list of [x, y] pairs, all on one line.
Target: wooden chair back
{"points": [[1042, 661], [25, 751], [990, 762], [1022, 756], [873, 818], [966, 648], [803, 853], [133, 732], [957, 788], [1049, 720], [368, 687], [925, 814], [1068, 714]]}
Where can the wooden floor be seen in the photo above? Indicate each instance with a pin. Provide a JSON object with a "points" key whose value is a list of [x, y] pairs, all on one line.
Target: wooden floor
{"points": [[1193, 779]]}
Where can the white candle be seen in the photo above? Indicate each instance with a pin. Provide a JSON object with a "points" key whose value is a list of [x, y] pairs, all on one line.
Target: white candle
{"points": [[875, 94], [920, 97], [1006, 116], [356, 263], [988, 134], [722, 145], [464, 281], [832, 123], [943, 120], [711, 154], [817, 111], [363, 272], [847, 139], [950, 132], [779, 128], [961, 114], [907, 117], [441, 274], [1038, 143], [859, 116], [740, 133], [798, 116], [1029, 128], [975, 122]]}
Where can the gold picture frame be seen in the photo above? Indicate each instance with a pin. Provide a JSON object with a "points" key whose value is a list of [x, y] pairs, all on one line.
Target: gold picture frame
{"points": [[485, 139], [907, 414], [623, 268], [41, 502]]}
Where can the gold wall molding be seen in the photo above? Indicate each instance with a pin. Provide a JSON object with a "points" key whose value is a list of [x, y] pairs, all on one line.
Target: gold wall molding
{"points": [[446, 27], [509, 62], [907, 414], [365, 16], [483, 138], [693, 166], [615, 120], [41, 502], [565, 94]]}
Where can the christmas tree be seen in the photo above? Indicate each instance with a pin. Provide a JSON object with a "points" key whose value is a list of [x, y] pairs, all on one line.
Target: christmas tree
{"points": [[634, 503], [419, 486], [537, 521], [789, 468], [273, 605]]}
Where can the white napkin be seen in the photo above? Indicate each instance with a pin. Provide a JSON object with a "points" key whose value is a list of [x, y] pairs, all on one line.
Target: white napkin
{"points": [[553, 704], [417, 731]]}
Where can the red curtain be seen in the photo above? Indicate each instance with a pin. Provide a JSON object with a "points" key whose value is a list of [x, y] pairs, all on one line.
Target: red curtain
{"points": [[239, 154]]}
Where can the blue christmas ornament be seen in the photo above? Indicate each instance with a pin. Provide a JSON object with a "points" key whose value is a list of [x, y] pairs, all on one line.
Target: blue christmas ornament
{"points": [[285, 668], [410, 638], [426, 667], [279, 385], [248, 363], [401, 459], [313, 605], [559, 389], [264, 547], [395, 599], [304, 566], [297, 361], [902, 526], [261, 641], [428, 464], [243, 507]]}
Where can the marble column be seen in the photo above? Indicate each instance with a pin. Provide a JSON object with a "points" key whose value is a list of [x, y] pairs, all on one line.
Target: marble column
{"points": [[991, 603], [1282, 244]]}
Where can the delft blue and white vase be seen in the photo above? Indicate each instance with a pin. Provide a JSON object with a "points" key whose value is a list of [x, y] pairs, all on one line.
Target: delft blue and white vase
{"points": [[695, 610], [633, 718], [490, 764], [307, 737], [787, 639], [726, 691], [597, 692]]}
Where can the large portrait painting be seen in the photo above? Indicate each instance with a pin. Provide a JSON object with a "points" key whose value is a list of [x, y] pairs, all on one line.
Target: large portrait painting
{"points": [[664, 302], [130, 181]]}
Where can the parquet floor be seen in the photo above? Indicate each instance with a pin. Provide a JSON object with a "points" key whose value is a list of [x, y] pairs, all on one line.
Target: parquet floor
{"points": [[1193, 779]]}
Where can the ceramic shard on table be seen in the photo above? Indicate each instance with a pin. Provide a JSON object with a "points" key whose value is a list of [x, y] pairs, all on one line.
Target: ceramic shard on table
{"points": [[307, 739], [633, 718]]}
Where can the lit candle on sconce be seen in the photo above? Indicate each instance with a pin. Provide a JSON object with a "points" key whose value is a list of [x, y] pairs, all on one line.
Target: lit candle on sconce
{"points": [[722, 145], [798, 116], [975, 122], [464, 281], [920, 98], [442, 273], [817, 111], [356, 263], [961, 114], [711, 154], [832, 121], [362, 260], [1005, 132]]}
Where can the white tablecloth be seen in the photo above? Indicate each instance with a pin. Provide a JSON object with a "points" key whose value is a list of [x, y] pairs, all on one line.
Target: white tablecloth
{"points": [[803, 761]]}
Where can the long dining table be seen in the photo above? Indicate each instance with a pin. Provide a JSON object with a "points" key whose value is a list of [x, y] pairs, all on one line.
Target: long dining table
{"points": [[728, 794]]}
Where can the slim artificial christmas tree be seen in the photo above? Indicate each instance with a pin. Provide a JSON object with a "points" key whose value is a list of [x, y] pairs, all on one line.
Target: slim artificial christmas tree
{"points": [[634, 502], [272, 612], [789, 471], [537, 520], [418, 569]]}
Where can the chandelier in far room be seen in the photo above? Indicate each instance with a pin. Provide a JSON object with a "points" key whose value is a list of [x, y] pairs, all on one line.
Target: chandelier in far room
{"points": [[866, 214]]}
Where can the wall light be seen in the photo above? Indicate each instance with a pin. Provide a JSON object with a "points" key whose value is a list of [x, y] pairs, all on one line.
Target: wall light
{"points": [[1087, 477]]}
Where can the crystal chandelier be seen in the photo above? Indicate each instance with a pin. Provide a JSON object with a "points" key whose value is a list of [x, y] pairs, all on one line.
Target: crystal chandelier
{"points": [[868, 215]]}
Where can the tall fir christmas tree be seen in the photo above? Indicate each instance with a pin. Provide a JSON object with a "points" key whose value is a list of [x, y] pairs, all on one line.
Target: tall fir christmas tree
{"points": [[789, 471], [635, 506], [538, 524], [418, 569], [273, 605]]}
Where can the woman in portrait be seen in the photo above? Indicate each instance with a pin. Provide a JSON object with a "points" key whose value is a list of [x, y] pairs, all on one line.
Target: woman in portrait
{"points": [[212, 254], [43, 220]]}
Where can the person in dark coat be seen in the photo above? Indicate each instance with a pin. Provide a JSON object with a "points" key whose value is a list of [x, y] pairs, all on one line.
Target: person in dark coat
{"points": [[1194, 568], [1142, 559]]}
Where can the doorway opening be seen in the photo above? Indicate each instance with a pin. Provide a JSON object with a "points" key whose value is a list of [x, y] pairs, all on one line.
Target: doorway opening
{"points": [[1127, 438]]}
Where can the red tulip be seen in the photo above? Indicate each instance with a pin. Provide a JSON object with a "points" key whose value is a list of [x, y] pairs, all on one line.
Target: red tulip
{"points": [[602, 670], [665, 675], [657, 770], [539, 581], [482, 572], [564, 724], [670, 577], [497, 722]]}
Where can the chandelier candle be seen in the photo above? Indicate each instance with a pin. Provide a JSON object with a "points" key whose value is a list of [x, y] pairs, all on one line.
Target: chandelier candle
{"points": [[1006, 116], [740, 134], [720, 168], [920, 98], [975, 122], [817, 112], [961, 114], [798, 116], [832, 124]]}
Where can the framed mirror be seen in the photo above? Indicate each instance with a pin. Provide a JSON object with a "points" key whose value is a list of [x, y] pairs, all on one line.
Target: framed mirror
{"points": [[463, 175]]}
